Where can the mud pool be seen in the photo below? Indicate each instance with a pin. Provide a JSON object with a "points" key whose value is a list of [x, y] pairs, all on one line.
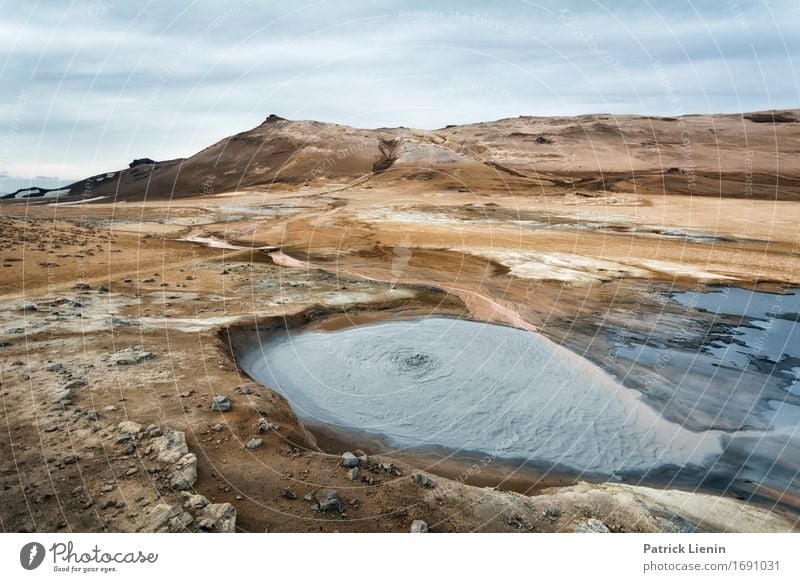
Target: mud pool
{"points": [[474, 387], [707, 398]]}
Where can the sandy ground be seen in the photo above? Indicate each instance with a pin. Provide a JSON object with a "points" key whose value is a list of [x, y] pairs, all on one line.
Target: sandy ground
{"points": [[172, 275]]}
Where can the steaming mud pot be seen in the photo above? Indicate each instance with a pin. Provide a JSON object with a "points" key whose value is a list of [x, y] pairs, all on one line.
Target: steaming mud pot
{"points": [[476, 388]]}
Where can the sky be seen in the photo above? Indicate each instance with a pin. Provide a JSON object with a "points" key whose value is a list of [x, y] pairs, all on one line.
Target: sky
{"points": [[89, 85]]}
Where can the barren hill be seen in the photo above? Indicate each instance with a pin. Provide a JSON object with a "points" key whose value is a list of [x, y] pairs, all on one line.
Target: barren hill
{"points": [[751, 155]]}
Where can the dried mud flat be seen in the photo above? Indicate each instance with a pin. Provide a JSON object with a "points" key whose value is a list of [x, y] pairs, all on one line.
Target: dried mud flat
{"points": [[120, 323]]}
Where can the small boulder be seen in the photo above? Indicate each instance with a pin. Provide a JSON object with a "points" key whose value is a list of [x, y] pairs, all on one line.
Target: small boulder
{"points": [[264, 425], [419, 526], [222, 515], [254, 443], [221, 403], [195, 502], [332, 502], [349, 460], [129, 427], [170, 447], [352, 474], [592, 526], [552, 513], [185, 473], [130, 356], [424, 481]]}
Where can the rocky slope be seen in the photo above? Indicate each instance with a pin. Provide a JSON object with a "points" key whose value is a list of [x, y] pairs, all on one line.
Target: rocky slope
{"points": [[746, 156]]}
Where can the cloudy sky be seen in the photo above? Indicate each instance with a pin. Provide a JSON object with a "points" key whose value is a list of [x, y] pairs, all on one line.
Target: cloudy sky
{"points": [[88, 86]]}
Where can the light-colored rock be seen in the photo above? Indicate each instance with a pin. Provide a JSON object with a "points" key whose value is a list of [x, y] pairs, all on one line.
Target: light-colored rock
{"points": [[129, 427], [130, 356], [160, 516], [254, 443], [419, 526], [423, 480], [170, 447], [592, 526], [221, 403], [331, 501], [193, 516], [223, 516], [265, 425], [195, 502], [352, 474], [349, 460], [184, 474]]}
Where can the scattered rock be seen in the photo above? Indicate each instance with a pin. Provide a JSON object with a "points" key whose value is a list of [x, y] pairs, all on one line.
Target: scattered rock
{"points": [[171, 450], [387, 468], [129, 427], [184, 474], [552, 513], [130, 356], [195, 502], [331, 502], [243, 389], [222, 514], [352, 474], [221, 403], [424, 481], [210, 517], [264, 425], [217, 427], [349, 460], [419, 526], [82, 287], [55, 367], [254, 443], [592, 526], [289, 494], [107, 488], [186, 394], [170, 447], [75, 384]]}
